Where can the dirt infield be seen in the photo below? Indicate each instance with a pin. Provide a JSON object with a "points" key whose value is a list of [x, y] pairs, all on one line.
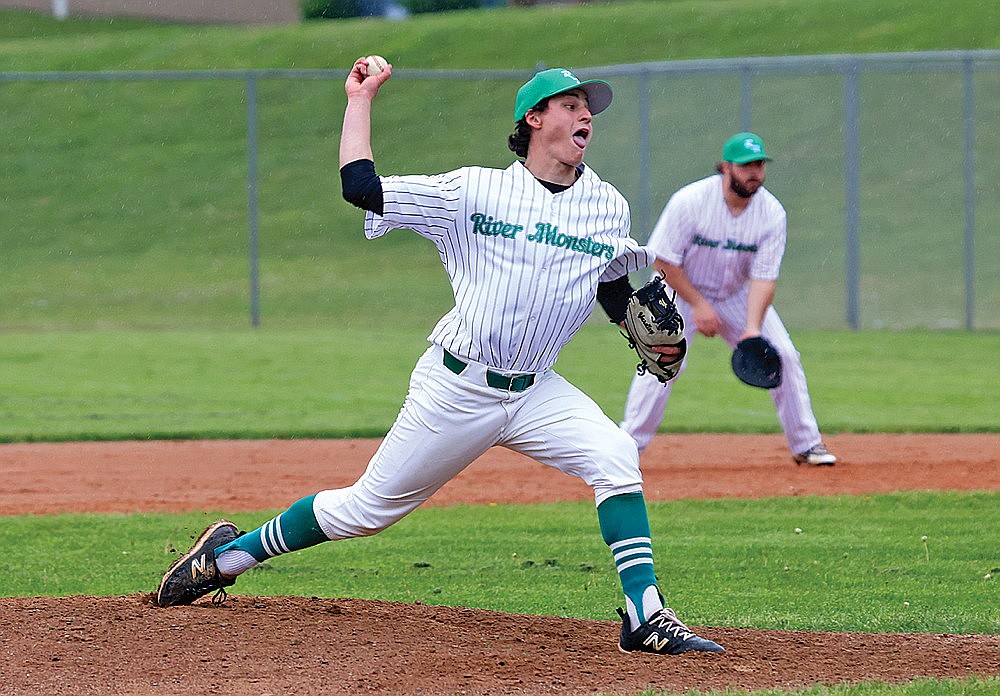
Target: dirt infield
{"points": [[257, 646]]}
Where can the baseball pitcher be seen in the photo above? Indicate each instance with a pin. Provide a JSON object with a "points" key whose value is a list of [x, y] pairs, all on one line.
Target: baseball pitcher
{"points": [[528, 250]]}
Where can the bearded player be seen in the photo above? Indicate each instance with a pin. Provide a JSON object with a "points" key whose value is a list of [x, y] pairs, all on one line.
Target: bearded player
{"points": [[719, 243], [527, 249]]}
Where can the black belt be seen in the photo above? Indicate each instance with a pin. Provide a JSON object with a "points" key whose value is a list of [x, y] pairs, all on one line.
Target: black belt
{"points": [[514, 383]]}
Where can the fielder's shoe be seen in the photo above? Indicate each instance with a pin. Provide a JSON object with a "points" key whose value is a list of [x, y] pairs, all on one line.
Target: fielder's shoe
{"points": [[818, 455], [194, 574], [662, 634]]}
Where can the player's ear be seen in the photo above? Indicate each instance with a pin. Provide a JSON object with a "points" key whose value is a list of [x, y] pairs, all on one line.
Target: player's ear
{"points": [[533, 118]]}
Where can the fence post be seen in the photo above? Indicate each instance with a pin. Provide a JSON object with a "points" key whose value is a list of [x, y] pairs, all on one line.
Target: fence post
{"points": [[970, 195], [852, 167], [252, 241], [643, 217]]}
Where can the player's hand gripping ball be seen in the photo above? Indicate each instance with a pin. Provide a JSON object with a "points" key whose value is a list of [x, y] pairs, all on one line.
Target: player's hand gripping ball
{"points": [[375, 65], [652, 319]]}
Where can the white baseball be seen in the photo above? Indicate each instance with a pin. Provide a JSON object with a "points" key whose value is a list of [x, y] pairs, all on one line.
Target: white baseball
{"points": [[375, 65]]}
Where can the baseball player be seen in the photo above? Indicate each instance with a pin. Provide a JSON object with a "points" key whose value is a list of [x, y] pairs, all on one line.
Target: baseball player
{"points": [[719, 243], [527, 249]]}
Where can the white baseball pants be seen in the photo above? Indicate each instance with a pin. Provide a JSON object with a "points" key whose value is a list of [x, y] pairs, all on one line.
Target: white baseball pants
{"points": [[647, 397], [449, 420]]}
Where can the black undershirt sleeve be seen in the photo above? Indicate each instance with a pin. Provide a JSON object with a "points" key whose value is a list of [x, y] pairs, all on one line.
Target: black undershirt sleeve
{"points": [[361, 185], [614, 296]]}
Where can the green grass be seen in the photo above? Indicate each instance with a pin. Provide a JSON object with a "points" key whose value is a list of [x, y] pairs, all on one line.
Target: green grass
{"points": [[22, 25], [600, 33], [859, 563], [351, 382]]}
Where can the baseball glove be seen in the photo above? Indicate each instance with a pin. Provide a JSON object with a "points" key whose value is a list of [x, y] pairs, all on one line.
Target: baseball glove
{"points": [[652, 319], [757, 363]]}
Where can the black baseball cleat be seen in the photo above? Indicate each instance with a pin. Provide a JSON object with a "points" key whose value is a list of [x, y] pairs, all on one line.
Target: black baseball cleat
{"points": [[662, 634], [195, 574]]}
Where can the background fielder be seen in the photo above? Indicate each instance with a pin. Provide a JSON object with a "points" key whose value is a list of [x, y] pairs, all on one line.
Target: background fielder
{"points": [[527, 249], [719, 243]]}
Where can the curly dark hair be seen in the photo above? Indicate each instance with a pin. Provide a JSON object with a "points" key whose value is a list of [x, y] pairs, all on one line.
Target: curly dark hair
{"points": [[519, 139]]}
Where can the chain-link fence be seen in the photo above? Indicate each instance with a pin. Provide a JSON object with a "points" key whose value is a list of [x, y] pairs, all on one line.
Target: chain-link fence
{"points": [[887, 164]]}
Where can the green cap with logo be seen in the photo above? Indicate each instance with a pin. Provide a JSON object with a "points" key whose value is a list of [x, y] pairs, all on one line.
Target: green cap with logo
{"points": [[549, 83], [743, 148]]}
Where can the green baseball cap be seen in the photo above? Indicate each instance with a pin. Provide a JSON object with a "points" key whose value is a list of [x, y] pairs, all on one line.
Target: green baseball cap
{"points": [[743, 148], [549, 83]]}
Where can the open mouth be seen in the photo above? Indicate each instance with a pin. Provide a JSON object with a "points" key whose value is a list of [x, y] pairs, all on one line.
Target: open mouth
{"points": [[580, 138]]}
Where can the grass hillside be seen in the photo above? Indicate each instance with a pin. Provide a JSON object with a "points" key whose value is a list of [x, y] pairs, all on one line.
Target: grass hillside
{"points": [[128, 202], [514, 38]]}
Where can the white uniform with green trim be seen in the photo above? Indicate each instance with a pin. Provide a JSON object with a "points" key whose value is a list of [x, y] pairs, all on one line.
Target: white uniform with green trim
{"points": [[524, 265]]}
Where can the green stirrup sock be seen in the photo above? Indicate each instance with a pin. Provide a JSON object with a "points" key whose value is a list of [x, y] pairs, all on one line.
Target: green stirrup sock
{"points": [[296, 528], [625, 528]]}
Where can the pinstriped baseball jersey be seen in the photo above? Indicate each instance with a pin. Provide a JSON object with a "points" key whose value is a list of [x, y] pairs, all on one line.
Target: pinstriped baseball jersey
{"points": [[524, 263], [720, 252]]}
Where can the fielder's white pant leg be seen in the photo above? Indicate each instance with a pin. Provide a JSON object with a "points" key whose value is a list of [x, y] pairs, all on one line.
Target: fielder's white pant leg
{"points": [[644, 407], [445, 423], [791, 397], [647, 396], [558, 425]]}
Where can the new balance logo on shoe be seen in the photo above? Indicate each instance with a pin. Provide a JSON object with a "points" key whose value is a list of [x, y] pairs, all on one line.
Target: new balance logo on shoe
{"points": [[656, 645], [194, 574], [198, 566]]}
